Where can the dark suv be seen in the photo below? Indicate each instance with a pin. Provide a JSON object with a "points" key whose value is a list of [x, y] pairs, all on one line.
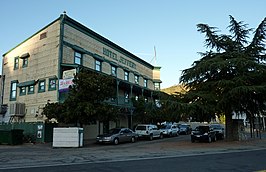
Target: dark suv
{"points": [[203, 133], [219, 129]]}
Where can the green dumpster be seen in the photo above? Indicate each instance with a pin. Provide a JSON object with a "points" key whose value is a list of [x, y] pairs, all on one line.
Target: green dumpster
{"points": [[11, 137]]}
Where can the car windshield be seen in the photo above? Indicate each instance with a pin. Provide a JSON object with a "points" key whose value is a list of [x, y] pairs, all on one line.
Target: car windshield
{"points": [[114, 131], [216, 126], [183, 126], [141, 128], [165, 127], [202, 129]]}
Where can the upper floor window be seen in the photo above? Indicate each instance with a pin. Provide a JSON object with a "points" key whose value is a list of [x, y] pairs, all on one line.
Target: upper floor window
{"points": [[25, 62], [145, 83], [98, 65], [113, 70], [136, 79], [22, 91], [13, 90], [156, 86], [77, 58], [52, 84], [31, 89], [41, 86], [126, 75], [16, 63]]}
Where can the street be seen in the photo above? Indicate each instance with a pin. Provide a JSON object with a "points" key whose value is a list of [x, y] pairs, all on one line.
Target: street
{"points": [[176, 153], [235, 161]]}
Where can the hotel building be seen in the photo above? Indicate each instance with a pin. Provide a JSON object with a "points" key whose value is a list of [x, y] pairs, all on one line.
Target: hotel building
{"points": [[41, 68]]}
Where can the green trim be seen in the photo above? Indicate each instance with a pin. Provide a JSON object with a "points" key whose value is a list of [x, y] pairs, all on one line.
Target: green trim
{"points": [[40, 85], [10, 96], [98, 57], [79, 49], [25, 62], [60, 50], [29, 87], [157, 81], [52, 87], [16, 63], [27, 83], [22, 91], [76, 57], [24, 55]]}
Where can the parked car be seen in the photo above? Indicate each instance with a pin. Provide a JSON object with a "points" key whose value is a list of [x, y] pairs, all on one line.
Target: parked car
{"points": [[148, 131], [203, 133], [117, 135], [169, 130], [219, 129], [184, 129]]}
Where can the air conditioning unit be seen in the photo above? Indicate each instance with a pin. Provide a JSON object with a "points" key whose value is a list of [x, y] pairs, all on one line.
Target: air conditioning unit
{"points": [[17, 109], [3, 109]]}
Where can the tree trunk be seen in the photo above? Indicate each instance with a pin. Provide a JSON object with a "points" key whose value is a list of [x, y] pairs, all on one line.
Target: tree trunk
{"points": [[229, 127]]}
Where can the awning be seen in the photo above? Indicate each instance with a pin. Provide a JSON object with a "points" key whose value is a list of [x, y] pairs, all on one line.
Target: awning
{"points": [[98, 57], [27, 83], [25, 55], [79, 49]]}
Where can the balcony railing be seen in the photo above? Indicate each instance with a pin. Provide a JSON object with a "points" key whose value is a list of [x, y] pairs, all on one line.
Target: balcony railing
{"points": [[121, 101]]}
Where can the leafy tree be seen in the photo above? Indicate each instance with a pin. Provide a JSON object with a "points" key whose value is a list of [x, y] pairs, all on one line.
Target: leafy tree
{"points": [[86, 100], [231, 76]]}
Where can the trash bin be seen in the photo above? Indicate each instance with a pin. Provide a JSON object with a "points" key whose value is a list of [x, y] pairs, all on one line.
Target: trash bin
{"points": [[11, 137]]}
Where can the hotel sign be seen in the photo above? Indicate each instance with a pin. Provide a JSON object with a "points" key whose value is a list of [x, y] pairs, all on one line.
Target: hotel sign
{"points": [[64, 84], [120, 59]]}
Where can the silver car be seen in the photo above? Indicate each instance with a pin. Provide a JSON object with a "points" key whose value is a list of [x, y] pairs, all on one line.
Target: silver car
{"points": [[170, 130], [117, 135]]}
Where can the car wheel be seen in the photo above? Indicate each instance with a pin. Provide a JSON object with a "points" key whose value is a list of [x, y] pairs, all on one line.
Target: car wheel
{"points": [[215, 138], [161, 136], [209, 139], [133, 139], [116, 141], [170, 134], [151, 137], [222, 137], [192, 140]]}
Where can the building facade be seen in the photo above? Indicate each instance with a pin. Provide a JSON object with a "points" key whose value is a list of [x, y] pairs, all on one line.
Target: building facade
{"points": [[40, 69]]}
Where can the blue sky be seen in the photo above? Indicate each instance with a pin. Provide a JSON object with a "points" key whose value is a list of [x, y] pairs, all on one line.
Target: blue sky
{"points": [[137, 25]]}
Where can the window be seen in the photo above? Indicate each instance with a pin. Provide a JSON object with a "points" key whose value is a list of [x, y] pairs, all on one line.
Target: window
{"points": [[157, 86], [126, 97], [41, 86], [52, 84], [31, 89], [145, 83], [43, 35], [22, 91], [25, 62], [126, 75], [113, 70], [98, 65], [16, 63], [136, 79], [78, 58], [13, 90]]}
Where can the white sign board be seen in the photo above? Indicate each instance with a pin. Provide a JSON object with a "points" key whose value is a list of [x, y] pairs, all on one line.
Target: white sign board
{"points": [[65, 83]]}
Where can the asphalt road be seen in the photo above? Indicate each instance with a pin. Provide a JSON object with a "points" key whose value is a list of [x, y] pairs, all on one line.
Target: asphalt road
{"points": [[176, 153], [234, 161]]}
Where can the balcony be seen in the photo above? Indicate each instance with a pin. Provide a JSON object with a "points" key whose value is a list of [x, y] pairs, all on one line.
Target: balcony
{"points": [[120, 101]]}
